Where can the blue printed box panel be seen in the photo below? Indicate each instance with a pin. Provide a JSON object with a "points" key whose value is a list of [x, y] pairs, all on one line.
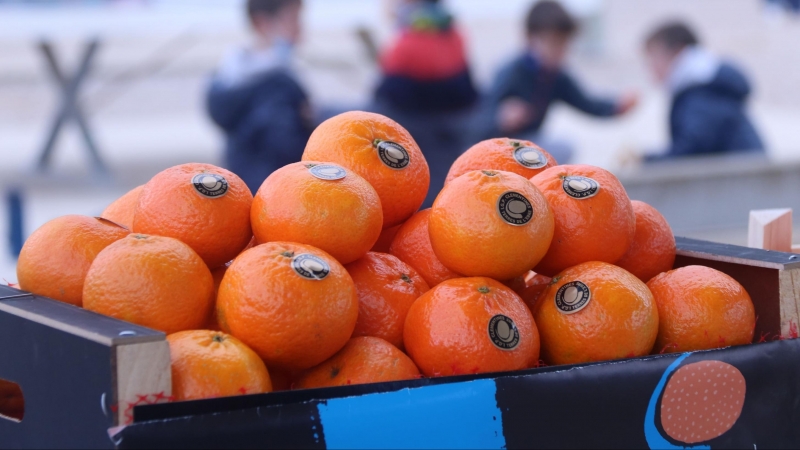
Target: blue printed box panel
{"points": [[738, 397]]}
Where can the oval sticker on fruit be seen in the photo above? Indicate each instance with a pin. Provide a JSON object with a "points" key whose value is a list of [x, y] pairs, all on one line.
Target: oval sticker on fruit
{"points": [[392, 154], [581, 187], [310, 266], [327, 172], [514, 208], [503, 332], [573, 297], [210, 185], [530, 157]]}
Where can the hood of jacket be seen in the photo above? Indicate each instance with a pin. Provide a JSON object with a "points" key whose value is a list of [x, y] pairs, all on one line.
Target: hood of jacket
{"points": [[695, 67]]}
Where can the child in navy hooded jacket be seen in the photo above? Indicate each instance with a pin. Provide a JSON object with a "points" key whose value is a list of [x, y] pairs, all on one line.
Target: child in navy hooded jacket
{"points": [[255, 99], [708, 96], [523, 91]]}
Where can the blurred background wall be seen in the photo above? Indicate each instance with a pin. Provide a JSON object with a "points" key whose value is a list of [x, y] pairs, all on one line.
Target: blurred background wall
{"points": [[144, 99]]}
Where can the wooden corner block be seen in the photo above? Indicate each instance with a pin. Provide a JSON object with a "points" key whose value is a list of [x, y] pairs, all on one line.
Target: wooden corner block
{"points": [[770, 229], [143, 376]]}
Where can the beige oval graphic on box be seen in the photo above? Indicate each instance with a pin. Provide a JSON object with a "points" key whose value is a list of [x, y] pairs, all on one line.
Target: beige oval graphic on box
{"points": [[702, 401]]}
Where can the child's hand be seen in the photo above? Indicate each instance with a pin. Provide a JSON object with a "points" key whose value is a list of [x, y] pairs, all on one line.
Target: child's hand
{"points": [[627, 102], [513, 114]]}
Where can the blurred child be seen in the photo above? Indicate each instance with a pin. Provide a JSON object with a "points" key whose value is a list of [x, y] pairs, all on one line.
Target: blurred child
{"points": [[426, 84], [255, 98], [708, 96], [524, 90]]}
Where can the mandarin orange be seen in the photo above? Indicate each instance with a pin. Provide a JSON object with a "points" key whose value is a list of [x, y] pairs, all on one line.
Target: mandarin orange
{"points": [[380, 150], [210, 364], [293, 304], [386, 289], [653, 249], [412, 245], [490, 223], [510, 155], [202, 205], [153, 281], [122, 210], [594, 219], [364, 359], [56, 257], [701, 308], [470, 325], [318, 204], [596, 311]]}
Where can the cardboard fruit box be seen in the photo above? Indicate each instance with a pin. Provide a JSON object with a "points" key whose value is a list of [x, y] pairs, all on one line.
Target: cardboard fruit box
{"points": [[92, 381]]}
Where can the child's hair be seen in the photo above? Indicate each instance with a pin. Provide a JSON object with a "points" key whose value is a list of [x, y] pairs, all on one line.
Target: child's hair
{"points": [[267, 7], [673, 35], [550, 16]]}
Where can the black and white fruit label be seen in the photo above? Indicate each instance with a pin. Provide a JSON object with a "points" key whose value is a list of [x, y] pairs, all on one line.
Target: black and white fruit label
{"points": [[514, 208], [328, 172], [310, 266], [572, 297], [393, 155], [581, 187], [530, 157], [210, 185], [503, 332]]}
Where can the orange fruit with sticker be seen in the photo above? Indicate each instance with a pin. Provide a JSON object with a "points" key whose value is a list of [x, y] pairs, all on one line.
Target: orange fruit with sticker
{"points": [[204, 206], [293, 304], [594, 219], [596, 311], [490, 223], [510, 155], [470, 325], [382, 152], [319, 204]]}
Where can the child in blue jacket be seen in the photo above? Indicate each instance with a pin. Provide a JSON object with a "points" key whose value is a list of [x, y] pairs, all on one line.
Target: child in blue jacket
{"points": [[523, 91], [256, 100], [708, 96]]}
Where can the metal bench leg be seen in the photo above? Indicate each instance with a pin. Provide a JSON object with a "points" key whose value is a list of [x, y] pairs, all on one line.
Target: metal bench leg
{"points": [[70, 109], [16, 234]]}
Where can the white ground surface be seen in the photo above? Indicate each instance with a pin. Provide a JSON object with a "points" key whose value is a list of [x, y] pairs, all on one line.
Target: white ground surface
{"points": [[145, 98]]}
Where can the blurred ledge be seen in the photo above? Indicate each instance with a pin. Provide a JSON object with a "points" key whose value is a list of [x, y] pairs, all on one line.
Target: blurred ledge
{"points": [[703, 196], [693, 167]]}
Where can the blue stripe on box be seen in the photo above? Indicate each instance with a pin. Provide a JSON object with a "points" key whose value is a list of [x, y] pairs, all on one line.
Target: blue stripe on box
{"points": [[457, 415]]}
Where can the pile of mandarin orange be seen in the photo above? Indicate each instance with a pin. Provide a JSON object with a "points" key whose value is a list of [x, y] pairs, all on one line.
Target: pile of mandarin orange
{"points": [[331, 275]]}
